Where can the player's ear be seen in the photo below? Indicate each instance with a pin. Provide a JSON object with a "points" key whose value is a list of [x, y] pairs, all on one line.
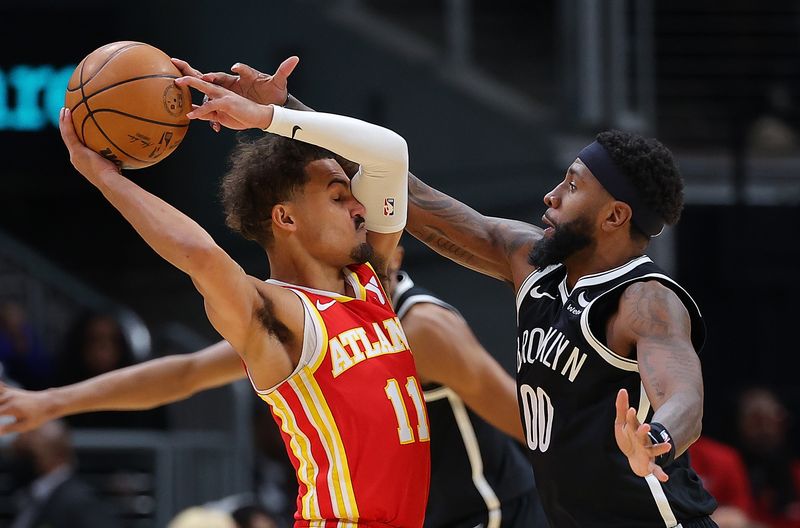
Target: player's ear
{"points": [[618, 214], [282, 218]]}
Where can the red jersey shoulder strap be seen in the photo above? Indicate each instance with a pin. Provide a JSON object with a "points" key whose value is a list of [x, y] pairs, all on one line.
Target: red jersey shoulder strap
{"points": [[370, 285]]}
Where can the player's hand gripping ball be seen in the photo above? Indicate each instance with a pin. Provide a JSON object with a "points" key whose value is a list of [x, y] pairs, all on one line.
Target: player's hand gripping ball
{"points": [[125, 104]]}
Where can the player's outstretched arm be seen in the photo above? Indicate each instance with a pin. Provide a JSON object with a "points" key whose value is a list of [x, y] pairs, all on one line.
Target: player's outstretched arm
{"points": [[232, 298], [493, 246], [655, 321], [138, 387], [447, 352]]}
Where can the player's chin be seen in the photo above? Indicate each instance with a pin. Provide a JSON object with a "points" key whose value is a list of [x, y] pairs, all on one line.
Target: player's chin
{"points": [[361, 253]]}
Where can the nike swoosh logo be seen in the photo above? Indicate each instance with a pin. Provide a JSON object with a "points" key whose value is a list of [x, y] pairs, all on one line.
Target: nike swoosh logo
{"points": [[536, 294], [295, 129], [324, 306], [582, 300]]}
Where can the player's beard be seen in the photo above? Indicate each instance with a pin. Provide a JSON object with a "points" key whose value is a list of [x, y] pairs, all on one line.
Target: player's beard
{"points": [[362, 253], [567, 239]]}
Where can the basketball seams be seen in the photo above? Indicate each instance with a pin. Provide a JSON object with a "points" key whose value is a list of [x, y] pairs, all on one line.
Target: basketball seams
{"points": [[108, 59], [99, 129], [85, 97], [140, 118]]}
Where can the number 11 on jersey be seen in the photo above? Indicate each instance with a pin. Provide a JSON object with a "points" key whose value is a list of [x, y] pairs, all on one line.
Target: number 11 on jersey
{"points": [[404, 430]]}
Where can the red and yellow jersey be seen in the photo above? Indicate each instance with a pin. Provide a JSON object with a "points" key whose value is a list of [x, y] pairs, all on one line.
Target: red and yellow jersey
{"points": [[352, 414]]}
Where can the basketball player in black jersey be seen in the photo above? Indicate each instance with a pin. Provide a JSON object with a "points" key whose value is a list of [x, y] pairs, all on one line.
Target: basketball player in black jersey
{"points": [[600, 327], [478, 476]]}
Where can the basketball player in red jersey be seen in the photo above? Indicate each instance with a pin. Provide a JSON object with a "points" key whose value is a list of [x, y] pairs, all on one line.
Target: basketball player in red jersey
{"points": [[320, 340]]}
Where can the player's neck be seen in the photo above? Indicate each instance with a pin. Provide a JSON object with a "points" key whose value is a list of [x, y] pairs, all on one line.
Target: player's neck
{"points": [[308, 273]]}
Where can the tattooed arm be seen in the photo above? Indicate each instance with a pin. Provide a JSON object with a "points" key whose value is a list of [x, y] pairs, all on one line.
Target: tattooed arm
{"points": [[493, 246], [653, 321]]}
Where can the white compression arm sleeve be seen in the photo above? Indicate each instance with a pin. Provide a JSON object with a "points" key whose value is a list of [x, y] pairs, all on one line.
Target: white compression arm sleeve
{"points": [[381, 183]]}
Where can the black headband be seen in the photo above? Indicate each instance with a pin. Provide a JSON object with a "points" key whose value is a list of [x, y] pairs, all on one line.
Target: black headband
{"points": [[597, 160]]}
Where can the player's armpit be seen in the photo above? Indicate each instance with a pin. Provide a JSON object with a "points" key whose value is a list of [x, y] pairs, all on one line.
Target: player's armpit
{"points": [[493, 246], [272, 343], [658, 325], [447, 352]]}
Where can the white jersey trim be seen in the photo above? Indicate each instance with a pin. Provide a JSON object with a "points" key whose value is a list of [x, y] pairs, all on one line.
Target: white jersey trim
{"points": [[605, 276], [662, 503], [530, 280], [312, 343], [606, 353], [644, 405], [349, 276], [475, 459]]}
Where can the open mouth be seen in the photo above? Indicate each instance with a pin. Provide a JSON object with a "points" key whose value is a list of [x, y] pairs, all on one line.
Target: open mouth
{"points": [[359, 222], [550, 227]]}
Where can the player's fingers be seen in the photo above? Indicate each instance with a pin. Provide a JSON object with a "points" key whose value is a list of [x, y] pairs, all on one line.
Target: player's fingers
{"points": [[622, 407], [286, 68], [207, 111], [212, 90], [215, 126], [245, 71], [659, 449], [67, 129], [19, 426], [220, 78], [185, 68], [659, 473]]}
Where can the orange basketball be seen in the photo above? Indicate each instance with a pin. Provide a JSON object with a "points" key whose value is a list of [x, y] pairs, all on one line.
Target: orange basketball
{"points": [[125, 104]]}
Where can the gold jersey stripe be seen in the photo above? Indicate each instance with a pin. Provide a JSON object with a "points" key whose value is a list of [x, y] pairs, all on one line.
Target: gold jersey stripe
{"points": [[308, 470], [346, 482], [326, 429]]}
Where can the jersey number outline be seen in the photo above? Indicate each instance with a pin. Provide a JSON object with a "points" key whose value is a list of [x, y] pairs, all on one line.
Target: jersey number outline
{"points": [[538, 411], [404, 431]]}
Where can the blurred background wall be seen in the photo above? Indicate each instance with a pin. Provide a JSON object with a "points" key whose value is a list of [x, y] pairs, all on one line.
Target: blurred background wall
{"points": [[495, 97]]}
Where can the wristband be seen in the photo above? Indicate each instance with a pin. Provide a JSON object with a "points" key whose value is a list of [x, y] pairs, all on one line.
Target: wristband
{"points": [[658, 435]]}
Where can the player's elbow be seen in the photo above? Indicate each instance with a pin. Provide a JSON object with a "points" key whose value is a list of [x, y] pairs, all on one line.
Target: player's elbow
{"points": [[202, 258]]}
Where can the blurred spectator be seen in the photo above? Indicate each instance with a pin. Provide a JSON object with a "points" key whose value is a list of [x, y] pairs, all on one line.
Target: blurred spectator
{"points": [[21, 353], [723, 473], [253, 517], [773, 133], [733, 517], [197, 517], [43, 465], [96, 344], [773, 470]]}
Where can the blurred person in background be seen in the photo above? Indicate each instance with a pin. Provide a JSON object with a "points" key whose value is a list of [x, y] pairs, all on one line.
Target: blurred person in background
{"points": [[772, 467], [724, 475], [52, 496], [253, 516], [96, 344], [199, 517], [22, 355]]}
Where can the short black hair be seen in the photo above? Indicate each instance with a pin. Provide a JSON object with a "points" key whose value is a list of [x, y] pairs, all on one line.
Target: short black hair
{"points": [[263, 173], [651, 168]]}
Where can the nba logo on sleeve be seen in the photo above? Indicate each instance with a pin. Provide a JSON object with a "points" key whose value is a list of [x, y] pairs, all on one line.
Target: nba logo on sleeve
{"points": [[388, 207]]}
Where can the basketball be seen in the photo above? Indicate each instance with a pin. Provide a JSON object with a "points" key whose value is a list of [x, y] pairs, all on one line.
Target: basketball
{"points": [[125, 104]]}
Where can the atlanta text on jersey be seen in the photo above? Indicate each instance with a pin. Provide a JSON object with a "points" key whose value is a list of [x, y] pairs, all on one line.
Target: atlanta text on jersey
{"points": [[361, 348]]}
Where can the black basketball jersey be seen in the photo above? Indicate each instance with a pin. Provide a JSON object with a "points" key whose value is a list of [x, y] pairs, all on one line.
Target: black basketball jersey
{"points": [[474, 467], [568, 381]]}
